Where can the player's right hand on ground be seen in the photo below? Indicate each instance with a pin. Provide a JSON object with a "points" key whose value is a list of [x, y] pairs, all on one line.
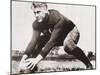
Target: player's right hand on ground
{"points": [[22, 63], [20, 66]]}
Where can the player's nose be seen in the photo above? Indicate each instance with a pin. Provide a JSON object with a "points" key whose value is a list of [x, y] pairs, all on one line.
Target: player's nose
{"points": [[37, 15]]}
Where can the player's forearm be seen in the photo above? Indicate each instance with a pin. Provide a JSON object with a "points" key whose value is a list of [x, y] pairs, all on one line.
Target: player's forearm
{"points": [[45, 51], [33, 42], [29, 48], [52, 42], [47, 48]]}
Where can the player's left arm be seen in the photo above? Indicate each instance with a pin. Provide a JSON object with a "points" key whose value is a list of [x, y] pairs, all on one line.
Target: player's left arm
{"points": [[58, 30]]}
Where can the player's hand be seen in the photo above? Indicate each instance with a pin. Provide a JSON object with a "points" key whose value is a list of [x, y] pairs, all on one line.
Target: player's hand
{"points": [[20, 65], [21, 62], [32, 62]]}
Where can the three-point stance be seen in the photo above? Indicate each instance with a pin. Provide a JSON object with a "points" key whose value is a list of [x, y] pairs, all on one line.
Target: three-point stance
{"points": [[57, 30]]}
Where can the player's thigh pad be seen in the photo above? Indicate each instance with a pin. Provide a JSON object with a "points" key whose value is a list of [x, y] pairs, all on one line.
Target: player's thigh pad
{"points": [[72, 39]]}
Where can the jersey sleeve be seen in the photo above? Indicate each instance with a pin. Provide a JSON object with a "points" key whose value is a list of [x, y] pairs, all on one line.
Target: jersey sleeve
{"points": [[33, 42], [58, 29]]}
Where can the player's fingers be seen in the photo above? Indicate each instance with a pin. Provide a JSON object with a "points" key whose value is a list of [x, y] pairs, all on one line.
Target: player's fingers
{"points": [[32, 67], [27, 60], [19, 69], [28, 64]]}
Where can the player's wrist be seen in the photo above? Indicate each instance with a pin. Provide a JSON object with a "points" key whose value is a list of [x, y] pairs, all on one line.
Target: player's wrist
{"points": [[39, 58]]}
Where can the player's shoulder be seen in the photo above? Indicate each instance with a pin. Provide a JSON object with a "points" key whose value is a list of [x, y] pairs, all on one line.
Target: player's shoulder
{"points": [[55, 14], [35, 25], [53, 11]]}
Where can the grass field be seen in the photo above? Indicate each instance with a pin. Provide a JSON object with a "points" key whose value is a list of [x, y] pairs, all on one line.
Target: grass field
{"points": [[55, 66]]}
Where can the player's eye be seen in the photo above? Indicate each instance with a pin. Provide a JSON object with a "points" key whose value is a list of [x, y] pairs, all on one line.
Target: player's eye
{"points": [[34, 12], [38, 12]]}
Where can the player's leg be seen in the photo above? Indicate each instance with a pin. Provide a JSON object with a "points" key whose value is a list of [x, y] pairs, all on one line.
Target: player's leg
{"points": [[71, 47]]}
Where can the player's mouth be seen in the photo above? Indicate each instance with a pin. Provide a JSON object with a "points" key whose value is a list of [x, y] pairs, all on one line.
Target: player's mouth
{"points": [[39, 19]]}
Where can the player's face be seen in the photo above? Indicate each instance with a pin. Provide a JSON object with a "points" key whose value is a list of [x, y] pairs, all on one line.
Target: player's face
{"points": [[40, 13]]}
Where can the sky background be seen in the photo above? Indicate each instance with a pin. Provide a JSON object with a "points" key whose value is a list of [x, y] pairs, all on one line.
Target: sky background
{"points": [[82, 16]]}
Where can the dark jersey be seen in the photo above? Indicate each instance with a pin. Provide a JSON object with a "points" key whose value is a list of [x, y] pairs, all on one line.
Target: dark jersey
{"points": [[52, 21], [55, 25]]}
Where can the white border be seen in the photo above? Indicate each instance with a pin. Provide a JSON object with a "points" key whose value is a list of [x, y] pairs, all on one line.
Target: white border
{"points": [[5, 36]]}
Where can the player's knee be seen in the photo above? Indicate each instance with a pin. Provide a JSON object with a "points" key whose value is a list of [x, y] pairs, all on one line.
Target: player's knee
{"points": [[69, 46]]}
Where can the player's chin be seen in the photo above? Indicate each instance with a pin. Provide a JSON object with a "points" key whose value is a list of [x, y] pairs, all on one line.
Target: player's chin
{"points": [[39, 20]]}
